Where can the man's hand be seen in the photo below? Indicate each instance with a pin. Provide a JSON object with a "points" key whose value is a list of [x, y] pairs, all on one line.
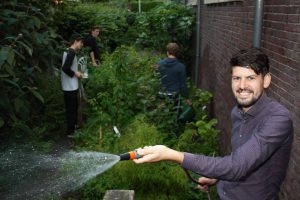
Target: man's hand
{"points": [[78, 74], [158, 153], [189, 102], [204, 183], [94, 61]]}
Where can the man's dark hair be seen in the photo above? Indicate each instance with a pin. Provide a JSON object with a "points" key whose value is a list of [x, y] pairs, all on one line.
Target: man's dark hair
{"points": [[172, 48], [75, 37], [95, 27], [253, 58]]}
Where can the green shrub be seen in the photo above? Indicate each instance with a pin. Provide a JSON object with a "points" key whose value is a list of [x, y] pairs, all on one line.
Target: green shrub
{"points": [[125, 85], [160, 181], [82, 17], [23, 58], [145, 5], [47, 119], [53, 109], [168, 22]]}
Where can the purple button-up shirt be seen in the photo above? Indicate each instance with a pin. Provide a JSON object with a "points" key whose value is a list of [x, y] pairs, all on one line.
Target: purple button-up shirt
{"points": [[261, 144]]}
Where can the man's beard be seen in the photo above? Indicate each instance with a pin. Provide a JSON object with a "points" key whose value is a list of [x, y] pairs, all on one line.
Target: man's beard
{"points": [[247, 103]]}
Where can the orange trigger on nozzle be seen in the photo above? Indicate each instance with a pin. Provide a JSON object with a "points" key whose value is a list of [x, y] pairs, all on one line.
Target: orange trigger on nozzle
{"points": [[132, 155]]}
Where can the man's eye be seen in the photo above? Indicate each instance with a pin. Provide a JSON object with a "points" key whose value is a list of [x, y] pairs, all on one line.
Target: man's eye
{"points": [[235, 78], [250, 78]]}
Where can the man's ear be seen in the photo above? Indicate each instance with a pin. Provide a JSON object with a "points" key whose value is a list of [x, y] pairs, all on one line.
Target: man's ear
{"points": [[267, 80]]}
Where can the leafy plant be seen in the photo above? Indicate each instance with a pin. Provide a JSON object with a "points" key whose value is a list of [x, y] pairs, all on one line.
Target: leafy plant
{"points": [[145, 5], [125, 85], [24, 34], [201, 100], [124, 92], [167, 22], [146, 180]]}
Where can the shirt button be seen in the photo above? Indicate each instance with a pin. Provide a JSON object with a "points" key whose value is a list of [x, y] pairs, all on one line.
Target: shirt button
{"points": [[224, 193], [241, 135]]}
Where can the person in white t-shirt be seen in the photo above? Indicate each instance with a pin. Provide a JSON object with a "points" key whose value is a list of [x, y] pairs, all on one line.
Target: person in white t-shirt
{"points": [[69, 81]]}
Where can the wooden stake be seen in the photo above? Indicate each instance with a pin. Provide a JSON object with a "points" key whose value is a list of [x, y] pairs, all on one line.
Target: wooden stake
{"points": [[100, 136]]}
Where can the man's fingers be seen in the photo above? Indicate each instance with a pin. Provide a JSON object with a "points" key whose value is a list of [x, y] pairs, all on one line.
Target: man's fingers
{"points": [[151, 153], [203, 188], [146, 158], [138, 161], [144, 151]]}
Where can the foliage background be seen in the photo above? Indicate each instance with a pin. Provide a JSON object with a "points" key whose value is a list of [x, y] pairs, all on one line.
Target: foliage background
{"points": [[25, 31], [152, 30], [122, 92]]}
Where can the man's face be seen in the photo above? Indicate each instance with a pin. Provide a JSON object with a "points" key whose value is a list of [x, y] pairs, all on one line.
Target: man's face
{"points": [[95, 32], [78, 44], [247, 86]]}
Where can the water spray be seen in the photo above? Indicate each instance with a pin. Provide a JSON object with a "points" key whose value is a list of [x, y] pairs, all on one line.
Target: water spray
{"points": [[30, 174], [52, 174]]}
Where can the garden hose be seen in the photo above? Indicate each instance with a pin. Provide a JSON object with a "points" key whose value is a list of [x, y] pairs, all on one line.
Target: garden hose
{"points": [[131, 155], [195, 181]]}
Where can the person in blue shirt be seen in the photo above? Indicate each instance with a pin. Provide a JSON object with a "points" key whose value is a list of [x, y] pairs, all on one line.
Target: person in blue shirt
{"points": [[172, 73]]}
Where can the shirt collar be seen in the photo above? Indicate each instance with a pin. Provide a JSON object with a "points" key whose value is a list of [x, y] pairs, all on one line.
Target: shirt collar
{"points": [[257, 107]]}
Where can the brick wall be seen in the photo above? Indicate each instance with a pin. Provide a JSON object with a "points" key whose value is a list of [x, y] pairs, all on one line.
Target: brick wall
{"points": [[228, 27]]}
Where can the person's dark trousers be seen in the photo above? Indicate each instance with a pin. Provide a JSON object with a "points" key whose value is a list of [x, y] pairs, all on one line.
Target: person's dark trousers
{"points": [[71, 103]]}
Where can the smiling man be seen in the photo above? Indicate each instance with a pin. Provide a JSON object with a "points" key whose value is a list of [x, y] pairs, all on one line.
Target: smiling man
{"points": [[262, 135], [249, 79]]}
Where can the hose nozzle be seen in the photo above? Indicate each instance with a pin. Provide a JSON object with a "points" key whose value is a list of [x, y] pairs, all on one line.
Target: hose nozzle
{"points": [[130, 155]]}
